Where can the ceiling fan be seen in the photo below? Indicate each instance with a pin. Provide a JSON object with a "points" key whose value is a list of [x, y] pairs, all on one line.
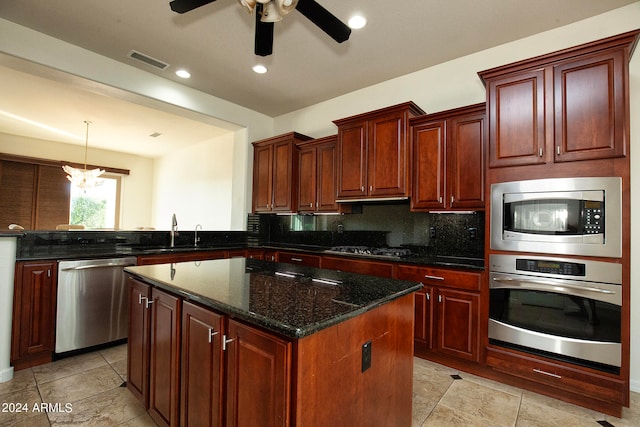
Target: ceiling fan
{"points": [[270, 11]]}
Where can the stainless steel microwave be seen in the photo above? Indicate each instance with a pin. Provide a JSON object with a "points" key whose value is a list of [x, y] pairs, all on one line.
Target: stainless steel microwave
{"points": [[568, 216]]}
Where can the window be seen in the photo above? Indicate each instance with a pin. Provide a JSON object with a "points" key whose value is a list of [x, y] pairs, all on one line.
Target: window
{"points": [[98, 208]]}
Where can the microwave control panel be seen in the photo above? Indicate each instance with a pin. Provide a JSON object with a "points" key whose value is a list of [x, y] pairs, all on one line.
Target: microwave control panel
{"points": [[593, 217]]}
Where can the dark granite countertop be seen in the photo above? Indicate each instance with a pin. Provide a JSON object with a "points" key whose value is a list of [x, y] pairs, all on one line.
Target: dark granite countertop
{"points": [[291, 300]]}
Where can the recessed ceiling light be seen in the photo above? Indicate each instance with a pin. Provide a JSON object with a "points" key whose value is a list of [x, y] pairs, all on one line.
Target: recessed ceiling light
{"points": [[356, 22], [183, 74], [260, 69]]}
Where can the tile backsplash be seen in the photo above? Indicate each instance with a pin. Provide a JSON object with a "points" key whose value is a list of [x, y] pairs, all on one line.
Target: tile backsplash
{"points": [[378, 225]]}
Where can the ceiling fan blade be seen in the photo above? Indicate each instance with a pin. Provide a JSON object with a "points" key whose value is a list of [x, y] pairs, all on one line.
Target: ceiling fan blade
{"points": [[182, 6], [264, 34], [324, 19]]}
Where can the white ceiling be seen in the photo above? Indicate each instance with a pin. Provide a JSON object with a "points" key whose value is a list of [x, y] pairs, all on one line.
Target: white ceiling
{"points": [[215, 43]]}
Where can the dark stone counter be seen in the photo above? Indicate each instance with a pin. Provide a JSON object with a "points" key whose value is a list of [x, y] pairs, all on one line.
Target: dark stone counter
{"points": [[291, 300]]}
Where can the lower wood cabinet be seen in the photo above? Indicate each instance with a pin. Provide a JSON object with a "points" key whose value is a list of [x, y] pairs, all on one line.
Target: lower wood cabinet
{"points": [[447, 311], [164, 362], [187, 364], [34, 313], [374, 268], [299, 258], [201, 397], [258, 377]]}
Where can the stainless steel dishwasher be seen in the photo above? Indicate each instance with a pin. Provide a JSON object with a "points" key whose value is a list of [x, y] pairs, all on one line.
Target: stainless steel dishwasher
{"points": [[92, 302]]}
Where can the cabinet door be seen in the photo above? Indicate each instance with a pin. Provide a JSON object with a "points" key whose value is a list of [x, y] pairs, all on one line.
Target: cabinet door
{"points": [[458, 324], [465, 168], [516, 107], [258, 378], [374, 268], [202, 367], [327, 186], [262, 178], [352, 160], [429, 164], [387, 155], [138, 340], [590, 108], [283, 164], [299, 258], [423, 329], [164, 365], [34, 313], [307, 179]]}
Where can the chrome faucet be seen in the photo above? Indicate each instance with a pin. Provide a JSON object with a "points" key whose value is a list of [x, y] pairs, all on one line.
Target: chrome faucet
{"points": [[196, 239], [174, 230]]}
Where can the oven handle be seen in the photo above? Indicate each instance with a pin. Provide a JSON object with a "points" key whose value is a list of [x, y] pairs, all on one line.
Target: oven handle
{"points": [[544, 284]]}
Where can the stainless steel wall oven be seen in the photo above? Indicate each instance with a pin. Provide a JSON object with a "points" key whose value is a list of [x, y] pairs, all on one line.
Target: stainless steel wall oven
{"points": [[561, 308]]}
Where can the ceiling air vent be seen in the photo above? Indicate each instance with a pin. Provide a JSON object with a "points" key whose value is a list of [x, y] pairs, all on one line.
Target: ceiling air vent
{"points": [[155, 63]]}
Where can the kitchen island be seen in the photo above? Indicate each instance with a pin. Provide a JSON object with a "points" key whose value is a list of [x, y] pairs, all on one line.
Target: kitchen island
{"points": [[248, 342]]}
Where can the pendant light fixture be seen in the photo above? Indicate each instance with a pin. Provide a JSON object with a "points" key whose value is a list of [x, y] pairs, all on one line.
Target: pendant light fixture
{"points": [[83, 178]]}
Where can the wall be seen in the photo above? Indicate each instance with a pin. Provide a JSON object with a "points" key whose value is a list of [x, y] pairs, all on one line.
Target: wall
{"points": [[135, 197], [196, 184], [455, 83]]}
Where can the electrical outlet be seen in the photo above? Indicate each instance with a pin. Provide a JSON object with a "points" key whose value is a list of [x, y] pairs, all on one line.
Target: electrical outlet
{"points": [[366, 356], [432, 232], [473, 233]]}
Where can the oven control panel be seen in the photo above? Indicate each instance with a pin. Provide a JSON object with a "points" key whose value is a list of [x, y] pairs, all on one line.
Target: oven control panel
{"points": [[550, 267]]}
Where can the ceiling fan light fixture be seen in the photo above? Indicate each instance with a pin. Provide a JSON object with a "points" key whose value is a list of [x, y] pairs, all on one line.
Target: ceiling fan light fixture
{"points": [[259, 69], [356, 22], [271, 13], [248, 5]]}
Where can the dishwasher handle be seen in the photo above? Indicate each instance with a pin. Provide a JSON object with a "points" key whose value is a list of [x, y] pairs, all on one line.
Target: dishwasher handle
{"points": [[93, 266]]}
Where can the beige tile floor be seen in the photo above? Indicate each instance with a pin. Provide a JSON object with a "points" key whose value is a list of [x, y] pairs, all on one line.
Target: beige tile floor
{"points": [[86, 390]]}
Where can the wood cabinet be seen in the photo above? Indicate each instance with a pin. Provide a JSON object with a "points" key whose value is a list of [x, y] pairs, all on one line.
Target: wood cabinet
{"points": [[258, 377], [202, 375], [34, 313], [299, 258], [138, 340], [317, 185], [275, 173], [167, 258], [373, 153], [448, 159], [164, 358], [565, 106], [361, 266], [447, 311]]}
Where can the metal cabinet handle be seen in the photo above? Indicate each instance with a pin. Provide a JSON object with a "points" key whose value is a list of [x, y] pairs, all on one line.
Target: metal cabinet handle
{"points": [[140, 298], [212, 334], [225, 341], [371, 188], [428, 296], [452, 200], [426, 276], [540, 152], [558, 150], [539, 371], [147, 302], [296, 259], [440, 199], [439, 298], [311, 204]]}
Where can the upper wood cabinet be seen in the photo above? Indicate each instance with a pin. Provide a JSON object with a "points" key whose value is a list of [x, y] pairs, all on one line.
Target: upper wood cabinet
{"points": [[448, 159], [373, 154], [275, 173], [317, 184], [564, 106]]}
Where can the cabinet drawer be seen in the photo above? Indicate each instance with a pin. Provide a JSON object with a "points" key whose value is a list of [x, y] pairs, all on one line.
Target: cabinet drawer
{"points": [[374, 268], [568, 378], [441, 277], [298, 258]]}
